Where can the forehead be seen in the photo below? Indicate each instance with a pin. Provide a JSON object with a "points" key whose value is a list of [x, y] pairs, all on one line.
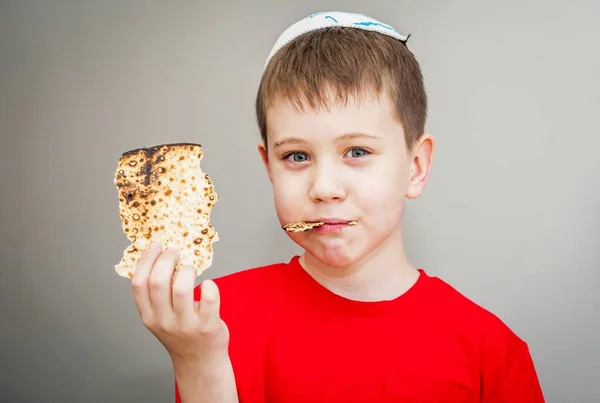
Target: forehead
{"points": [[369, 113]]}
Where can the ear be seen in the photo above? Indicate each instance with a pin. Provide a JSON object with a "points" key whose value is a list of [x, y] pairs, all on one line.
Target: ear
{"points": [[421, 159], [264, 155]]}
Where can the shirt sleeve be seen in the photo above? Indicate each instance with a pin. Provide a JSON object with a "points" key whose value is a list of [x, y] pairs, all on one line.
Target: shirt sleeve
{"points": [[520, 382]]}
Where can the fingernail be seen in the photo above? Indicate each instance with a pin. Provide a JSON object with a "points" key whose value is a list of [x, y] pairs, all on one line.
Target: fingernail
{"points": [[209, 290], [155, 246]]}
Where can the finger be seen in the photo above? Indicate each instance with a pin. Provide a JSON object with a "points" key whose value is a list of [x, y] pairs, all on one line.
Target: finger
{"points": [[139, 282], [210, 300], [183, 292], [159, 283]]}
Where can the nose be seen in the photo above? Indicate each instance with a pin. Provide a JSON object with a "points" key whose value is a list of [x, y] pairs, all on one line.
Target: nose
{"points": [[326, 185]]}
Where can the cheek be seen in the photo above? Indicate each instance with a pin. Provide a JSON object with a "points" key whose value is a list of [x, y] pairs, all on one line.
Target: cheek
{"points": [[288, 196], [382, 195]]}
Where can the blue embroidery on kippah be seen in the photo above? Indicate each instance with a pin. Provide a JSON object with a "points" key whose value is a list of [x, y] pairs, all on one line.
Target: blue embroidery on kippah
{"points": [[369, 23], [315, 14], [331, 18]]}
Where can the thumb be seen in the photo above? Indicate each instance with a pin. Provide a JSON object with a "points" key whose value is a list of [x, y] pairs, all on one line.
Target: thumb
{"points": [[209, 305]]}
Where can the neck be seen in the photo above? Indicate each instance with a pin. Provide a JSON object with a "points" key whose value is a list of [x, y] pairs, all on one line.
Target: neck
{"points": [[384, 274]]}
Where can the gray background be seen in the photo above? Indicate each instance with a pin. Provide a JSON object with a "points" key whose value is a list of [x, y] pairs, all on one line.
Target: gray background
{"points": [[510, 217]]}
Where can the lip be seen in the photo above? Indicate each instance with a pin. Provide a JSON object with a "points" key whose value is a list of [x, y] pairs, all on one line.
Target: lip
{"points": [[332, 221], [331, 225]]}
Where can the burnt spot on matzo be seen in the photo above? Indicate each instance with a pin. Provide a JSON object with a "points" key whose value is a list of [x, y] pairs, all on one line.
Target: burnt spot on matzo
{"points": [[168, 192]]}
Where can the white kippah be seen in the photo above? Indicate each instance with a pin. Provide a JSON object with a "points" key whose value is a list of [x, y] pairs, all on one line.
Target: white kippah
{"points": [[333, 19]]}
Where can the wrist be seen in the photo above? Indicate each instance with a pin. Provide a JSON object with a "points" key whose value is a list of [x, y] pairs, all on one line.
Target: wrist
{"points": [[208, 364], [207, 380]]}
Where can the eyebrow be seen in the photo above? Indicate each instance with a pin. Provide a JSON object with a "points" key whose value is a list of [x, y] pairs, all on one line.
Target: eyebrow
{"points": [[344, 137]]}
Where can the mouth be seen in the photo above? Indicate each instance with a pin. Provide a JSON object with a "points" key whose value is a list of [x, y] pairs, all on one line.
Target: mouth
{"points": [[326, 223]]}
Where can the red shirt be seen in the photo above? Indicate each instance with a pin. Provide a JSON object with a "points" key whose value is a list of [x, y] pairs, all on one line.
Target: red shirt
{"points": [[293, 340]]}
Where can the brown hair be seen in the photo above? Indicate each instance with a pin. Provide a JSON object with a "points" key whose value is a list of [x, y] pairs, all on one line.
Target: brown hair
{"points": [[344, 62]]}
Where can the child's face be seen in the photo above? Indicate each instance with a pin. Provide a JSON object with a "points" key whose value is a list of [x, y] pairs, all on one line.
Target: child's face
{"points": [[348, 164]]}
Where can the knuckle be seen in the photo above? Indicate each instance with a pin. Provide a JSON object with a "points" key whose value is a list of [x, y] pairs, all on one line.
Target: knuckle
{"points": [[138, 283], [207, 330], [148, 322], [180, 290], [204, 331], [165, 327], [189, 329], [156, 283]]}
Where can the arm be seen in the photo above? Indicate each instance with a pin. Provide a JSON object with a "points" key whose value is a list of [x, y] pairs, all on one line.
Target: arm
{"points": [[205, 382], [193, 333], [519, 383]]}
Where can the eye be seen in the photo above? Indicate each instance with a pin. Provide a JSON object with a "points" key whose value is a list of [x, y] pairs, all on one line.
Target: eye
{"points": [[296, 157], [356, 153]]}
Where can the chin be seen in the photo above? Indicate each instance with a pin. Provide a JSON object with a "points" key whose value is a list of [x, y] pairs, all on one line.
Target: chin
{"points": [[337, 256], [336, 261]]}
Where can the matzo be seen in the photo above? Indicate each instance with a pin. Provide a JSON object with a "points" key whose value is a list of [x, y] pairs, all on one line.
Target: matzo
{"points": [[164, 196], [305, 226], [301, 226]]}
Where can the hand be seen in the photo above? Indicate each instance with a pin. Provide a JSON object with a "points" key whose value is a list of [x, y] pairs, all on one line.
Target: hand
{"points": [[192, 332]]}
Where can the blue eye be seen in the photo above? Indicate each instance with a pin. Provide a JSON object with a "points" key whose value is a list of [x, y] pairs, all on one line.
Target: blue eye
{"points": [[357, 153], [297, 157]]}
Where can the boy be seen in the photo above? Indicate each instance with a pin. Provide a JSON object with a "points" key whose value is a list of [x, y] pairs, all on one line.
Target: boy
{"points": [[341, 109]]}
